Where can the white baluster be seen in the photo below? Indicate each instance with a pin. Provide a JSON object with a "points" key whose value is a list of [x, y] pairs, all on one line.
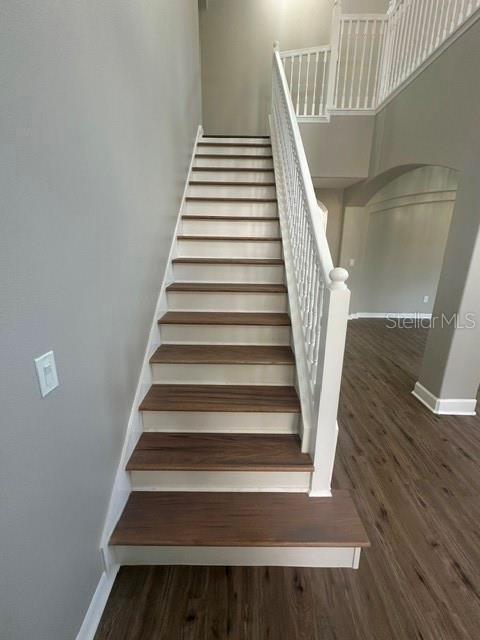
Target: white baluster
{"points": [[347, 60], [298, 86], [354, 68], [306, 85], [373, 43], [315, 84], [322, 100], [362, 62]]}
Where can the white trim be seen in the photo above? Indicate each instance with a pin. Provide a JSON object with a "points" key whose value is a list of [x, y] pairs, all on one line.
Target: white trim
{"points": [[325, 557], [122, 485], [390, 316], [445, 406], [97, 605]]}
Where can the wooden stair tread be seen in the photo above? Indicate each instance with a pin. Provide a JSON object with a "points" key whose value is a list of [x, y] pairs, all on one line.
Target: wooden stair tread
{"points": [[251, 261], [192, 216], [220, 183], [227, 199], [233, 169], [233, 287], [228, 135], [230, 238], [222, 354], [221, 397], [225, 317], [164, 518], [218, 452], [235, 144], [234, 156]]}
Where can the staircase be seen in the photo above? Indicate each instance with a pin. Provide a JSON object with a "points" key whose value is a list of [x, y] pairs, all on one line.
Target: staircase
{"points": [[218, 475]]}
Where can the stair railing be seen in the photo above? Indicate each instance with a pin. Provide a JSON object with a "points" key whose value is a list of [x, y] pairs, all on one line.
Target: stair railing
{"points": [[318, 295], [371, 56]]}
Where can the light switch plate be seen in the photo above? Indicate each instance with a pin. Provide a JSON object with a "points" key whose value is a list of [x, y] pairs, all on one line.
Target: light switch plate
{"points": [[47, 373]]}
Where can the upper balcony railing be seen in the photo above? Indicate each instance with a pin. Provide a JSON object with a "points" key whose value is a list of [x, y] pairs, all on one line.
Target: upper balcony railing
{"points": [[371, 56]]}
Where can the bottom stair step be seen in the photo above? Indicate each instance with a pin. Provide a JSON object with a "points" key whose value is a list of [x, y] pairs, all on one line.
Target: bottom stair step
{"points": [[239, 528]]}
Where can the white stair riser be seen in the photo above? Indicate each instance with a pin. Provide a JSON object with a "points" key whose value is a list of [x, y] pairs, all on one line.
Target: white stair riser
{"points": [[222, 140], [251, 481], [174, 373], [234, 176], [224, 334], [229, 249], [217, 191], [238, 228], [271, 274], [233, 151], [219, 422], [212, 208], [321, 557], [226, 301], [248, 163]]}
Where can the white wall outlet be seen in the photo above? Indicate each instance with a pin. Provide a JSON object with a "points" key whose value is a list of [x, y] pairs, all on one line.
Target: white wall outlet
{"points": [[47, 373], [351, 262], [426, 299]]}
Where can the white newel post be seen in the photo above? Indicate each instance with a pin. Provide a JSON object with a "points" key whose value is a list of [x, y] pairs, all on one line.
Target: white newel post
{"points": [[330, 365], [335, 43]]}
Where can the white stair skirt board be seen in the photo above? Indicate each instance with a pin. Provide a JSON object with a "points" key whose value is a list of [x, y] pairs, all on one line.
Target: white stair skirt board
{"points": [[233, 176], [333, 557], [266, 374], [233, 151], [97, 605], [241, 163], [226, 301], [224, 140], [220, 208], [235, 227], [220, 422], [228, 191], [445, 406], [248, 481], [224, 334], [229, 248], [202, 272]]}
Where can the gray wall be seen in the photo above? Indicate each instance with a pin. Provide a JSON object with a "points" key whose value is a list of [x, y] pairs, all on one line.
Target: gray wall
{"points": [[434, 121], [99, 109], [236, 43], [398, 255], [332, 199]]}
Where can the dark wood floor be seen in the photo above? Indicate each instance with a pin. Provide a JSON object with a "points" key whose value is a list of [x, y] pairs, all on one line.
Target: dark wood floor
{"points": [[415, 478]]}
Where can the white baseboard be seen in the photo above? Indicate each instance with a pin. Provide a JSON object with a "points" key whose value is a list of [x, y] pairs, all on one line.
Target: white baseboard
{"points": [[390, 316], [97, 605], [445, 406]]}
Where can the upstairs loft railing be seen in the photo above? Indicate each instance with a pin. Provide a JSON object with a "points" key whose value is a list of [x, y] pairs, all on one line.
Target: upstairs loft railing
{"points": [[371, 55], [318, 295]]}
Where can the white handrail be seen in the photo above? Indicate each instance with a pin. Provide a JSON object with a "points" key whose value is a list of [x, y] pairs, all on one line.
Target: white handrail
{"points": [[318, 294]]}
